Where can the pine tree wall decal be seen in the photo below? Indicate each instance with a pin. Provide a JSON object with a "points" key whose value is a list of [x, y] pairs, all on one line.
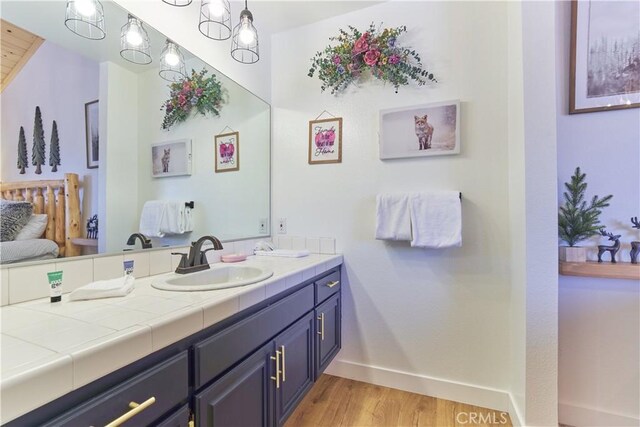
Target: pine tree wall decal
{"points": [[54, 148], [37, 156], [22, 152]]}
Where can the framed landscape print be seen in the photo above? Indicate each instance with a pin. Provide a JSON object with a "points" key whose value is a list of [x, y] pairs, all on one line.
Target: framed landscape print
{"points": [[92, 134], [325, 141], [421, 130], [227, 152], [605, 55], [171, 158]]}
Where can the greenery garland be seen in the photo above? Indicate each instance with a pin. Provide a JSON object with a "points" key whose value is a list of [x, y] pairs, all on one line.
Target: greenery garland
{"points": [[373, 51], [199, 93]]}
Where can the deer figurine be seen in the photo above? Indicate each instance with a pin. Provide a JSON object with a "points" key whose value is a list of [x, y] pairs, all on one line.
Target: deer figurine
{"points": [[635, 246], [613, 249]]}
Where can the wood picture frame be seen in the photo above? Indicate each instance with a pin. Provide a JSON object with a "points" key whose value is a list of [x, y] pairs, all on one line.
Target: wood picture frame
{"points": [[171, 158], [92, 133], [323, 135], [227, 152], [617, 86]]}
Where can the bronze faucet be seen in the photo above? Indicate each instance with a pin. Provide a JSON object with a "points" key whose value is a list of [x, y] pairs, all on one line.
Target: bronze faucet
{"points": [[196, 260], [144, 240]]}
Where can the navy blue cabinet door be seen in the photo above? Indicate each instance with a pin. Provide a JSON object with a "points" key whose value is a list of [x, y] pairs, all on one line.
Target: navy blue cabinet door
{"points": [[295, 345], [179, 418], [328, 332], [240, 398]]}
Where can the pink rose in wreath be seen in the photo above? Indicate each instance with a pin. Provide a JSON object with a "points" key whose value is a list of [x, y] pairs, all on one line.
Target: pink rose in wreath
{"points": [[371, 57], [361, 45]]}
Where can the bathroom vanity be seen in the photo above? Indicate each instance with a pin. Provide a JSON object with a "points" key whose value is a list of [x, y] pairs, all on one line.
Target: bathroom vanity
{"points": [[250, 368]]}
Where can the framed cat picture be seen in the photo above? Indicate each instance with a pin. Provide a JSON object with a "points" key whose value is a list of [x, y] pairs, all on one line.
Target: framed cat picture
{"points": [[171, 158], [420, 130]]}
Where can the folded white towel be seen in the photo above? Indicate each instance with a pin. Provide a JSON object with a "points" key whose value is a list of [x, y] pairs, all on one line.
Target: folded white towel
{"points": [[174, 219], [393, 221], [436, 219], [287, 253], [104, 289], [151, 218]]}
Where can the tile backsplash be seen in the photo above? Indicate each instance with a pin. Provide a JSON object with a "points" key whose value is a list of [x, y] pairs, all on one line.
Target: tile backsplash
{"points": [[19, 283]]}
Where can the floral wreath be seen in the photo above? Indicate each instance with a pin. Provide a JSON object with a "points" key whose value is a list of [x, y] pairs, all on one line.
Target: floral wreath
{"points": [[199, 93], [373, 51]]}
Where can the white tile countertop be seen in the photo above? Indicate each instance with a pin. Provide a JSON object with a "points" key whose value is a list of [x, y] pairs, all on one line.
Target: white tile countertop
{"points": [[49, 349]]}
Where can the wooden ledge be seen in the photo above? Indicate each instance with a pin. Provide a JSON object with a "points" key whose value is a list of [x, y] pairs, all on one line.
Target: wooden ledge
{"points": [[608, 270]]}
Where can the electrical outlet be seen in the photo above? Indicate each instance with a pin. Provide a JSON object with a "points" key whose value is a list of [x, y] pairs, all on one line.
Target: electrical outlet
{"points": [[262, 228], [282, 226]]}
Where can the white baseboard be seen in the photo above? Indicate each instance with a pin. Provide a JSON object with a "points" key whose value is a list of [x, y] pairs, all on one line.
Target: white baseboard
{"points": [[514, 413], [421, 384], [580, 416]]}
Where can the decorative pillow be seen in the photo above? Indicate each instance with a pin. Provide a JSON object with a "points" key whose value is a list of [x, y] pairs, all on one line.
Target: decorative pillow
{"points": [[13, 216], [34, 228]]}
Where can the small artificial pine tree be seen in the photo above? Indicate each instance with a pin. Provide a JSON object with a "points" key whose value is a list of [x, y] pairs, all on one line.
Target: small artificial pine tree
{"points": [[37, 155], [54, 148], [576, 220], [22, 152]]}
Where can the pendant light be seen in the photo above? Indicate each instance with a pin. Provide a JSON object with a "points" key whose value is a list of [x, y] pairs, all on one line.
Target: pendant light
{"points": [[172, 66], [85, 18], [244, 44], [178, 3], [215, 19], [134, 42]]}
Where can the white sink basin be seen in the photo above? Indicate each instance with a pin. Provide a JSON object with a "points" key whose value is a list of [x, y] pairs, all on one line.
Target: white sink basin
{"points": [[222, 277]]}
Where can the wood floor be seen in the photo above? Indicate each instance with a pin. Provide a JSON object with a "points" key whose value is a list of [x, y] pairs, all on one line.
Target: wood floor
{"points": [[335, 401]]}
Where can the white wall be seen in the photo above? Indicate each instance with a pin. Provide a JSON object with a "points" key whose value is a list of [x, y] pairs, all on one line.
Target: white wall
{"points": [[118, 170], [540, 210], [60, 82], [181, 24], [599, 325], [228, 205], [434, 321]]}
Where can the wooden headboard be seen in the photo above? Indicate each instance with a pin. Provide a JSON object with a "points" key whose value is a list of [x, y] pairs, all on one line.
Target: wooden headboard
{"points": [[60, 200]]}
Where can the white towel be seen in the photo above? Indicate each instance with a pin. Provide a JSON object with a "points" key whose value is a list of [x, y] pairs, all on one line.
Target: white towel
{"points": [[393, 221], [160, 217], [287, 253], [104, 289], [436, 219], [151, 218]]}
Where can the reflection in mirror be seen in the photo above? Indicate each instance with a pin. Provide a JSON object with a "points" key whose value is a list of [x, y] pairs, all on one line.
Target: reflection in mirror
{"points": [[133, 136]]}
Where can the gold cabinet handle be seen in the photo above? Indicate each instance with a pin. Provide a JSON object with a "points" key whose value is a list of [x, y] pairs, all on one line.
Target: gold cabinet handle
{"points": [[321, 331], [136, 408], [278, 371], [332, 284], [284, 364], [192, 420]]}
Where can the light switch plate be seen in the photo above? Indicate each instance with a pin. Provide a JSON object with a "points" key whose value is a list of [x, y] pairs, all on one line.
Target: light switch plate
{"points": [[282, 226], [262, 228]]}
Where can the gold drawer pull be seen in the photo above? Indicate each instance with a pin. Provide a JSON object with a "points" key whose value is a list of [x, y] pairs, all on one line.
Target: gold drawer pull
{"points": [[321, 331], [332, 284], [136, 408], [278, 371], [284, 364]]}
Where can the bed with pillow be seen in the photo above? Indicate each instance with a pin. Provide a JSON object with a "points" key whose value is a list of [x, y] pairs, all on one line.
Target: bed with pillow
{"points": [[39, 219]]}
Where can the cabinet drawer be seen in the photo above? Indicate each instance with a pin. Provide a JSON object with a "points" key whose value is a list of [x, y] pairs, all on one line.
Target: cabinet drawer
{"points": [[216, 354], [179, 418], [167, 383], [327, 286]]}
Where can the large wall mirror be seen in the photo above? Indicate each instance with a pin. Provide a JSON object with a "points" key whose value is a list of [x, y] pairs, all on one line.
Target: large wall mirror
{"points": [[109, 115]]}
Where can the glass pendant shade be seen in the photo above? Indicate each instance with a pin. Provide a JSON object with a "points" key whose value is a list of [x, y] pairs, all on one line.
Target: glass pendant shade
{"points": [[85, 18], [178, 3], [134, 42], [244, 43], [215, 19], [172, 67]]}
